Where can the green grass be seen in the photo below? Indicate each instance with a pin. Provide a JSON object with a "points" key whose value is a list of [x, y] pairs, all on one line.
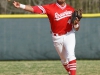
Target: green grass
{"points": [[84, 67]]}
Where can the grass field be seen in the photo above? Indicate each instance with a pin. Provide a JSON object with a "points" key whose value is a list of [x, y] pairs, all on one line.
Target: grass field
{"points": [[54, 67]]}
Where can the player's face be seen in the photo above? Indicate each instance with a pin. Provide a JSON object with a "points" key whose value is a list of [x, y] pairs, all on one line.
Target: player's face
{"points": [[61, 1]]}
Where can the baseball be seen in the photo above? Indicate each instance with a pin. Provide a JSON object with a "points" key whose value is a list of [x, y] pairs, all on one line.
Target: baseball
{"points": [[76, 26]]}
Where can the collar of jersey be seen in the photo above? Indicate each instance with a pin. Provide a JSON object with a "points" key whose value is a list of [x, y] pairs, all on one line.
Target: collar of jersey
{"points": [[61, 6]]}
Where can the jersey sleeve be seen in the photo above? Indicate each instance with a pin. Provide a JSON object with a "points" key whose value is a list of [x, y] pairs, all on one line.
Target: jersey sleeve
{"points": [[39, 9], [43, 9]]}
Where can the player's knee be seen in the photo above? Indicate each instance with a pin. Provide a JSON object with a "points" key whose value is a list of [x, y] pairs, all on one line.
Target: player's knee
{"points": [[69, 58], [64, 62]]}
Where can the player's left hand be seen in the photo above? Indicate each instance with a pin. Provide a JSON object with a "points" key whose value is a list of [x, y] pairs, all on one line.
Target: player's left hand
{"points": [[76, 24], [76, 16], [76, 21]]}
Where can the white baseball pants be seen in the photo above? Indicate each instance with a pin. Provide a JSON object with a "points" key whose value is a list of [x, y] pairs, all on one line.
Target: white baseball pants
{"points": [[65, 46]]}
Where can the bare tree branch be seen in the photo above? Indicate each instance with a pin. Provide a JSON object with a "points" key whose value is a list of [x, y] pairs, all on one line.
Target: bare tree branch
{"points": [[89, 6]]}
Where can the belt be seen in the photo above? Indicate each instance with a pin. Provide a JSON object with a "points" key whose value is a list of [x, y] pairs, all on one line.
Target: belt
{"points": [[58, 34]]}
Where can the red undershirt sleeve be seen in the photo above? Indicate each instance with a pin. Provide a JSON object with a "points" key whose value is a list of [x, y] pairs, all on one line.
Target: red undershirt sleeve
{"points": [[37, 10]]}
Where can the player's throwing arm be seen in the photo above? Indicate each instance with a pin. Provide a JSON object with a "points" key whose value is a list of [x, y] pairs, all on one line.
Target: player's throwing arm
{"points": [[22, 6]]}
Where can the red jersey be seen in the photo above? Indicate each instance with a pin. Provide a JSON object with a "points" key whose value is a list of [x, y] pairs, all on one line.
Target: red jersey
{"points": [[59, 17]]}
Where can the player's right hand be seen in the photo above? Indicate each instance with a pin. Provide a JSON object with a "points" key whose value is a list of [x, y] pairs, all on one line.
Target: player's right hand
{"points": [[16, 4]]}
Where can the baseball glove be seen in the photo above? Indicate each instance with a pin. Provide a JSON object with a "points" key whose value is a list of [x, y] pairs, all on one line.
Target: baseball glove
{"points": [[76, 14]]}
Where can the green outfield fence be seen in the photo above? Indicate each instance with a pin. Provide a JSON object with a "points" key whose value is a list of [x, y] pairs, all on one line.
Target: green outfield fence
{"points": [[27, 37]]}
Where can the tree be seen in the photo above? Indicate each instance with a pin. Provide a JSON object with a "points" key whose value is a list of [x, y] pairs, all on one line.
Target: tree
{"points": [[88, 6]]}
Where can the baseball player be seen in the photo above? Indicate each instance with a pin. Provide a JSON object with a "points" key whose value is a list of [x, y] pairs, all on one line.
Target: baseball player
{"points": [[62, 30]]}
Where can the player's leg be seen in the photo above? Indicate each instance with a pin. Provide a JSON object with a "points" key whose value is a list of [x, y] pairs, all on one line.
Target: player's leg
{"points": [[58, 44], [65, 63], [62, 53], [69, 44]]}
